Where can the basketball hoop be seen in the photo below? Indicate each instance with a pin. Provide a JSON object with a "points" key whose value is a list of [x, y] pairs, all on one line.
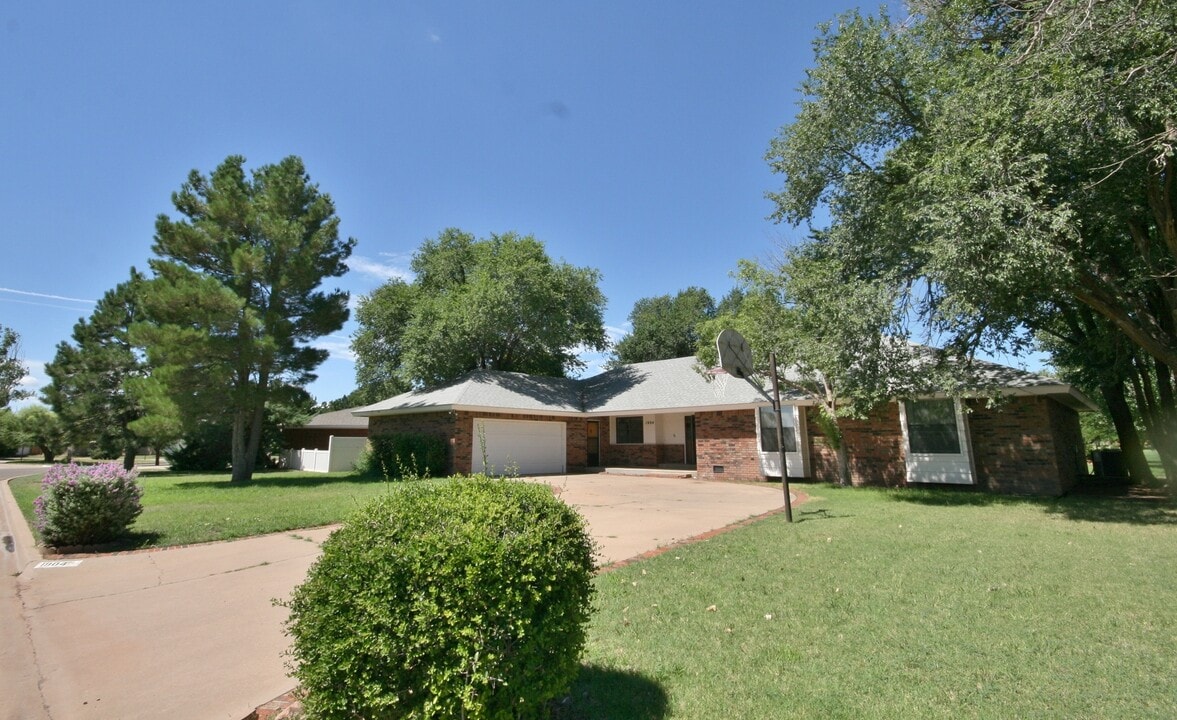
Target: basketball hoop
{"points": [[735, 355]]}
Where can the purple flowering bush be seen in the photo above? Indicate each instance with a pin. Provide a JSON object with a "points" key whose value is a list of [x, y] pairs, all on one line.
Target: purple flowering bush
{"points": [[86, 504]]}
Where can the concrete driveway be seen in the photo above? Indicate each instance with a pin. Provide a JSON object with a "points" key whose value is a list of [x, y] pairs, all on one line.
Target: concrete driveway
{"points": [[192, 632]]}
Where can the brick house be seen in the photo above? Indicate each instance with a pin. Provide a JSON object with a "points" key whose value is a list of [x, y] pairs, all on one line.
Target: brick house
{"points": [[671, 414]]}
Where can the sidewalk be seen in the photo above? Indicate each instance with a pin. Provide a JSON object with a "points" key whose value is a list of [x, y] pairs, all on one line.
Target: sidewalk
{"points": [[192, 632]]}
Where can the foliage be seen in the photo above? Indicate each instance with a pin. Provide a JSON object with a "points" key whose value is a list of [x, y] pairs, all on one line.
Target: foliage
{"points": [[40, 427], [442, 600], [378, 344], [10, 437], [1006, 160], [12, 369], [205, 448], [1091, 354], [86, 505], [413, 455], [91, 379], [498, 303], [235, 295], [664, 327]]}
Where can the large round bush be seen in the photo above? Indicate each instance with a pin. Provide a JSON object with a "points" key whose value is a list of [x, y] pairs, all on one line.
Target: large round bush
{"points": [[467, 598], [86, 504]]}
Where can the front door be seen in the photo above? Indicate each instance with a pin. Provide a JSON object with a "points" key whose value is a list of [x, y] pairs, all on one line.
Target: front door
{"points": [[594, 443], [690, 440]]}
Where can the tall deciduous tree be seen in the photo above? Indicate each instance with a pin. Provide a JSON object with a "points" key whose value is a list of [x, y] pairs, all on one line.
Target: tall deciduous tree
{"points": [[498, 303], [378, 344], [1009, 158], [90, 387], [235, 298], [12, 368], [40, 427], [665, 327], [838, 340]]}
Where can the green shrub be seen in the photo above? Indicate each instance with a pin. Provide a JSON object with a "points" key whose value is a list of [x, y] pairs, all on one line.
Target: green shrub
{"points": [[408, 454], [86, 505], [208, 448], [466, 598]]}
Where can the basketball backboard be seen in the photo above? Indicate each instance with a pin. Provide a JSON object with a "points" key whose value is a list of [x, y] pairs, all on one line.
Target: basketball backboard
{"points": [[735, 355]]}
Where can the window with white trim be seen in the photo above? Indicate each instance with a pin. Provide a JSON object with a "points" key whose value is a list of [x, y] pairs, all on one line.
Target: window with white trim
{"points": [[768, 434], [932, 428]]}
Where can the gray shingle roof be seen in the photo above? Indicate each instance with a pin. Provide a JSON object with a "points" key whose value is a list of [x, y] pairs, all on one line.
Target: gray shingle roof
{"points": [[653, 387], [488, 390], [337, 419], [666, 385]]}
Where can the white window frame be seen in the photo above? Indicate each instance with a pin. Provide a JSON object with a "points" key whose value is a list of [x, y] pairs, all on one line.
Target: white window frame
{"points": [[948, 468]]}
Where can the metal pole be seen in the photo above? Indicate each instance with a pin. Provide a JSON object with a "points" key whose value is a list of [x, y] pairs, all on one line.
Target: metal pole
{"points": [[780, 435]]}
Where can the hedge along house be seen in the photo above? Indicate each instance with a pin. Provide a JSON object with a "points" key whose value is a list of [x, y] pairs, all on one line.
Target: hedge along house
{"points": [[670, 414]]}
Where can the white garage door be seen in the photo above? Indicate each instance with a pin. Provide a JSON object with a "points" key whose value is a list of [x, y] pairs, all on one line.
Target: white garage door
{"points": [[526, 446]]}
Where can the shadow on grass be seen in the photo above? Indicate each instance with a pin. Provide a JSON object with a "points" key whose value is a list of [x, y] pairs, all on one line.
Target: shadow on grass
{"points": [[1130, 504], [262, 481], [604, 693], [819, 514]]}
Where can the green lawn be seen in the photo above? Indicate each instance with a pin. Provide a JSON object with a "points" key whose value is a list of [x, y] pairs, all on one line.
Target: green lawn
{"points": [[898, 604], [179, 509]]}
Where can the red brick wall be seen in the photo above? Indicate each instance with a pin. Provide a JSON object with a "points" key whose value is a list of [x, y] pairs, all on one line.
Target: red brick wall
{"points": [[874, 446], [726, 446], [1026, 446]]}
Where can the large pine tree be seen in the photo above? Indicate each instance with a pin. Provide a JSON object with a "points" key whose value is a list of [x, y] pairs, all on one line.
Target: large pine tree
{"points": [[91, 378], [236, 297]]}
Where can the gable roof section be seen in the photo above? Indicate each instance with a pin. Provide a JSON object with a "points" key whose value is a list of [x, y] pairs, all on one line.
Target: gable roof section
{"points": [[667, 386], [336, 420], [488, 390], [653, 387]]}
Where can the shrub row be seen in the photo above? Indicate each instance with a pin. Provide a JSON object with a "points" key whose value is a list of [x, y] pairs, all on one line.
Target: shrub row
{"points": [[402, 455]]}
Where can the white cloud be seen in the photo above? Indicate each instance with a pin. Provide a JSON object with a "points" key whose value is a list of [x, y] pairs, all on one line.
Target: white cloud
{"points": [[32, 382], [45, 296], [338, 347], [433, 38], [377, 269]]}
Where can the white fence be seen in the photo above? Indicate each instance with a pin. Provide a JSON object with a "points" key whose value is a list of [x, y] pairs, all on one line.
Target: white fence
{"points": [[340, 456]]}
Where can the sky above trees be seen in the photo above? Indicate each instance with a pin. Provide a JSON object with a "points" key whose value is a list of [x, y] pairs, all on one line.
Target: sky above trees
{"points": [[627, 137]]}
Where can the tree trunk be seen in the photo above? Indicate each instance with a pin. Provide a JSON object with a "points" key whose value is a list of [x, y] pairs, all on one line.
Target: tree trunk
{"points": [[255, 435], [129, 458], [242, 462], [1157, 411], [843, 464], [1130, 444]]}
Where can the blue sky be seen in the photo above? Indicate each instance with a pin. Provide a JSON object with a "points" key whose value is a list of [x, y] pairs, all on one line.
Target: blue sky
{"points": [[627, 136]]}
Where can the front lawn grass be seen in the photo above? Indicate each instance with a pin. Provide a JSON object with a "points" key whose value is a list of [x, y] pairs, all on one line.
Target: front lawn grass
{"points": [[179, 509], [898, 604]]}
